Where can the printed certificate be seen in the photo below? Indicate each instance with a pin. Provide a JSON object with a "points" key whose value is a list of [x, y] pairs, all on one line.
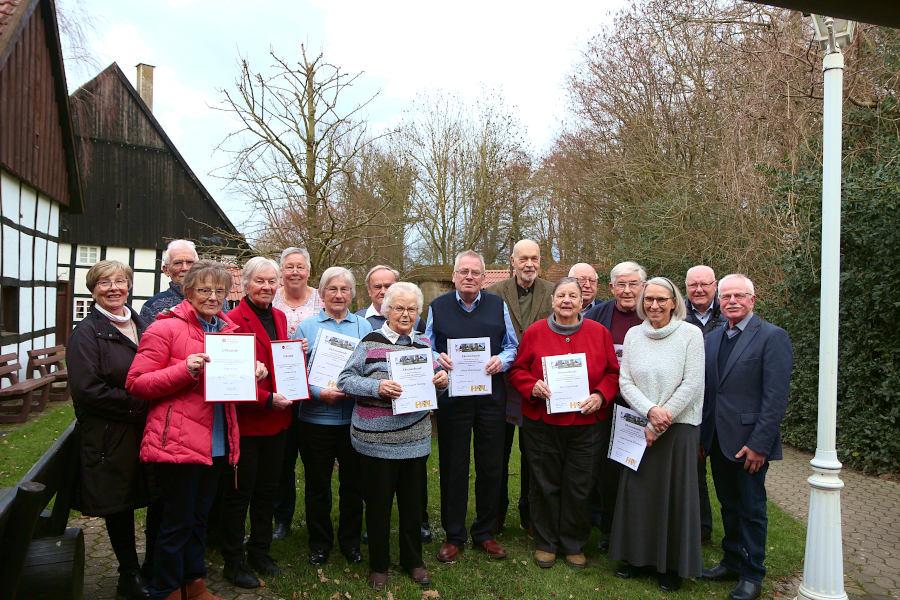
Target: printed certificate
{"points": [[627, 443], [329, 357], [566, 376], [289, 369], [470, 356], [230, 374], [413, 370]]}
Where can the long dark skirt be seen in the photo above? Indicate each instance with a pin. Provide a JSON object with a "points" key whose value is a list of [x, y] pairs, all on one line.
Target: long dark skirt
{"points": [[657, 518]]}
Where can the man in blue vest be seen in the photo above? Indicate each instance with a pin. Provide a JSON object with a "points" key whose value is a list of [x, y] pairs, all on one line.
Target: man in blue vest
{"points": [[467, 312]]}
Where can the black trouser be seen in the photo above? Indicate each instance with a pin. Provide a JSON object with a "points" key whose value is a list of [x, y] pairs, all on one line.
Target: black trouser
{"points": [[602, 500], [458, 418], [286, 498], [186, 494], [120, 529], [562, 460], [320, 445], [524, 475], [705, 508], [258, 470], [381, 479]]}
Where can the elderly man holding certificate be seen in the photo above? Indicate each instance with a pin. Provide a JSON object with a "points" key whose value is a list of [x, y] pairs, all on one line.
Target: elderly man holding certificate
{"points": [[567, 373], [324, 420], [392, 377]]}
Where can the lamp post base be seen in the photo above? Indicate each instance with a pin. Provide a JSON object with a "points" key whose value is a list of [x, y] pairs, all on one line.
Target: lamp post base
{"points": [[823, 572]]}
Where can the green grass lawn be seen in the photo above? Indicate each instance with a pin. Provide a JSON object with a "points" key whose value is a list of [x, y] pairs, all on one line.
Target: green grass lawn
{"points": [[472, 576]]}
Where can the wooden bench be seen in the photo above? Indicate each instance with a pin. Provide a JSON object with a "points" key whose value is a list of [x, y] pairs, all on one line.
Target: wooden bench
{"points": [[44, 362], [18, 399], [42, 558]]}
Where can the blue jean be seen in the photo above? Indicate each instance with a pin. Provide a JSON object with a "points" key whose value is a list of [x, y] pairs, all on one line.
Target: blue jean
{"points": [[744, 518], [186, 496]]}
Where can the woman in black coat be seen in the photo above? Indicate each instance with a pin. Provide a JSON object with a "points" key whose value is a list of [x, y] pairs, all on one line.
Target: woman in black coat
{"points": [[112, 482]]}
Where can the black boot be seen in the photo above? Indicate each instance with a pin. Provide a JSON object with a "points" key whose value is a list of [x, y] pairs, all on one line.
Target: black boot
{"points": [[240, 575], [132, 586]]}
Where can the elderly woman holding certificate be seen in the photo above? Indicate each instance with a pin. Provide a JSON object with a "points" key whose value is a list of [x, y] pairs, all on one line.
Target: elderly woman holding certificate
{"points": [[324, 420], [393, 445], [657, 518], [563, 442], [187, 438]]}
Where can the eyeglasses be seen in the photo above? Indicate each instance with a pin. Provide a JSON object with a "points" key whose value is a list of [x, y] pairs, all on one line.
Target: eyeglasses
{"points": [[738, 297], [293, 268], [409, 310], [474, 273], [651, 300], [628, 285], [337, 290], [584, 280], [208, 293], [105, 284], [182, 263], [261, 282], [699, 285]]}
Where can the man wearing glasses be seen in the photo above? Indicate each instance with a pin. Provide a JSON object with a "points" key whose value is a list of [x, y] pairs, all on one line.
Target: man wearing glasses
{"points": [[704, 312], [626, 280], [587, 281], [177, 260], [468, 312], [748, 376]]}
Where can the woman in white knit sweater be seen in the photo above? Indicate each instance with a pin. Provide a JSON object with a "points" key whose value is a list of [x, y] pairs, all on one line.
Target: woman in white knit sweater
{"points": [[657, 519]]}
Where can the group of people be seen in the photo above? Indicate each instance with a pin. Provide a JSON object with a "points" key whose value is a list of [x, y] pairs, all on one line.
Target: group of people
{"points": [[709, 377]]}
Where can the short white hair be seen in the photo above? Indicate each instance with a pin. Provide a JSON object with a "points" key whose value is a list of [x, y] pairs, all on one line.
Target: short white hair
{"points": [[626, 268], [178, 244], [402, 287], [740, 277], [377, 268], [332, 272], [576, 266], [463, 255], [680, 310], [254, 266], [294, 250]]}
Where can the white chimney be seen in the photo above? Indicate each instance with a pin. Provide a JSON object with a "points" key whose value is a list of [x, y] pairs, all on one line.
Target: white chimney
{"points": [[145, 83]]}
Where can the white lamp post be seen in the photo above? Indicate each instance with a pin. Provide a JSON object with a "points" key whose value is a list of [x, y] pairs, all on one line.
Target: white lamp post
{"points": [[823, 568]]}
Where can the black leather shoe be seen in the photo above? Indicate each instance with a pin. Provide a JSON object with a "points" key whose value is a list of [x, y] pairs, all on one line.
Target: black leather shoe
{"points": [[281, 531], [626, 571], [239, 575], [318, 557], [263, 564], [668, 582], [132, 586], [745, 590], [425, 532], [352, 555], [719, 573]]}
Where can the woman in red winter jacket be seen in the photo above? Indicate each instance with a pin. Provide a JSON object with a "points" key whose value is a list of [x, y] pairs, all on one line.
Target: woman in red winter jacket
{"points": [[186, 438]]}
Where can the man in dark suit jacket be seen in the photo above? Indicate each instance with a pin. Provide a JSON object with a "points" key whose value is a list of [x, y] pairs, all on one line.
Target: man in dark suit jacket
{"points": [[529, 299], [748, 374]]}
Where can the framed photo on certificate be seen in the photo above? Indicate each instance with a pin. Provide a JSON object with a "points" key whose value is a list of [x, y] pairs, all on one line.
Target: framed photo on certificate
{"points": [[289, 369], [230, 374]]}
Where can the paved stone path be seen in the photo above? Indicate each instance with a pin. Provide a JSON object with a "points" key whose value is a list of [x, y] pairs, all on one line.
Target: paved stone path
{"points": [[870, 522]]}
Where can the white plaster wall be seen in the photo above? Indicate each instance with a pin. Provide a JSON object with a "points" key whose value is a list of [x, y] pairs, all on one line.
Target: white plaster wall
{"points": [[9, 193], [41, 318], [25, 301], [80, 280], [143, 284], [28, 202], [52, 254], [50, 307], [10, 252], [26, 256], [119, 254], [163, 282], [40, 260], [53, 229], [138, 304], [43, 214], [144, 259]]}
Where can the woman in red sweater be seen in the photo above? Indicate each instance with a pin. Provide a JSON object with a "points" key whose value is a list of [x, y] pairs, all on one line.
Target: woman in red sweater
{"points": [[563, 447]]}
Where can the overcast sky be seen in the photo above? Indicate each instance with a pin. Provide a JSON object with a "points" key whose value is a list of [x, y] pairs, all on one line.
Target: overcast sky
{"points": [[525, 50]]}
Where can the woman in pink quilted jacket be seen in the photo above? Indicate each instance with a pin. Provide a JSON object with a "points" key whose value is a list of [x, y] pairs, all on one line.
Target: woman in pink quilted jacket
{"points": [[187, 439]]}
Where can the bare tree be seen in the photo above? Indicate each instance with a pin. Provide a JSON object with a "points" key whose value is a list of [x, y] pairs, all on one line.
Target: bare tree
{"points": [[293, 157]]}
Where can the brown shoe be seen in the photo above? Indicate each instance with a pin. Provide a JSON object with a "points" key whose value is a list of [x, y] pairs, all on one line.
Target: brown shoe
{"points": [[196, 590], [544, 560], [492, 549], [420, 575], [378, 581], [576, 561], [448, 552]]}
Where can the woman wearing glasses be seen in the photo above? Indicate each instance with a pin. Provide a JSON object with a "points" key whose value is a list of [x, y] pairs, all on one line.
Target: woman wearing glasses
{"points": [[111, 421], [657, 518], [186, 438], [393, 448], [324, 430]]}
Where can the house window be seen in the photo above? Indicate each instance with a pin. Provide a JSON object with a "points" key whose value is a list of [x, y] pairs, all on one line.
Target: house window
{"points": [[82, 307], [9, 309], [88, 255]]}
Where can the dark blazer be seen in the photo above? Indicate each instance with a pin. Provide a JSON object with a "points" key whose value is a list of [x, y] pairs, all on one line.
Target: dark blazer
{"points": [[602, 313], [541, 304], [715, 319], [110, 420], [745, 403]]}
